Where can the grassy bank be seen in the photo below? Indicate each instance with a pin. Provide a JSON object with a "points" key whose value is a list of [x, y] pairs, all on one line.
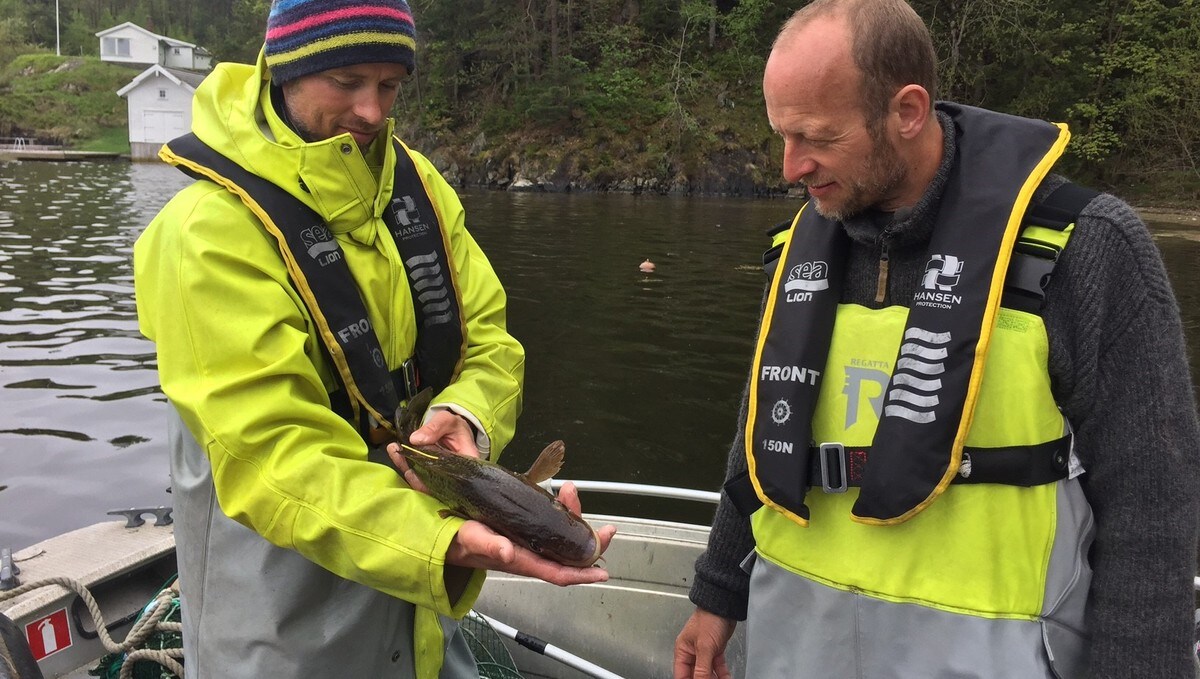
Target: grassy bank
{"points": [[65, 100], [107, 140]]}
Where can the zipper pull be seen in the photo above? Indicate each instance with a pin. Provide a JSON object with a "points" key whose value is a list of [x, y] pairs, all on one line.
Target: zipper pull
{"points": [[881, 285]]}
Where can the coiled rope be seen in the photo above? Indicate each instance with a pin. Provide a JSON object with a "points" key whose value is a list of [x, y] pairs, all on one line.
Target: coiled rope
{"points": [[148, 624]]}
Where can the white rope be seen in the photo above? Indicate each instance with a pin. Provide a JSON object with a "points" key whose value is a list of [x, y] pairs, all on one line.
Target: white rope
{"points": [[147, 625]]}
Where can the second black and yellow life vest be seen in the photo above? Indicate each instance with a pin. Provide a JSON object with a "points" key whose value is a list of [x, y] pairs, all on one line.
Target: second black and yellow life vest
{"points": [[930, 397], [317, 268]]}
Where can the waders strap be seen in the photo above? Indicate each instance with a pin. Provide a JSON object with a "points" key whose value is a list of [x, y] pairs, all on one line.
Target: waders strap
{"points": [[834, 468]]}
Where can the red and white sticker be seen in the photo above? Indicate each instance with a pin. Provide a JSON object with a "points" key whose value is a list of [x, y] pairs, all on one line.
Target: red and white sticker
{"points": [[48, 635]]}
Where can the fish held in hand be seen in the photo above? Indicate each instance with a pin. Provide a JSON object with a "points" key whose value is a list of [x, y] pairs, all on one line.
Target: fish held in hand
{"points": [[509, 503]]}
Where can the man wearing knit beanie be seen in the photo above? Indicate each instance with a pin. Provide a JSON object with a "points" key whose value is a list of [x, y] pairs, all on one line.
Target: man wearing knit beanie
{"points": [[281, 293], [316, 35], [315, 49]]}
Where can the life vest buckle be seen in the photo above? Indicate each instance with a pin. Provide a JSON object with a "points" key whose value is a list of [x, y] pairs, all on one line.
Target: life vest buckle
{"points": [[834, 474], [408, 373], [1027, 278]]}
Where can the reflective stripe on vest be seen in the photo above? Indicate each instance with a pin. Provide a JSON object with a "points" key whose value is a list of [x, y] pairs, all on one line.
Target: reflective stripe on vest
{"points": [[929, 401], [318, 271]]}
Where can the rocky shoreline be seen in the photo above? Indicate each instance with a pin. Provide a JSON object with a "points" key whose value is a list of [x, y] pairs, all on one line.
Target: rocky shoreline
{"points": [[1172, 216]]}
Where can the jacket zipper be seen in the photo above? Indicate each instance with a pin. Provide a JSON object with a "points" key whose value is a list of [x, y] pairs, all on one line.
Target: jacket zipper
{"points": [[881, 285]]}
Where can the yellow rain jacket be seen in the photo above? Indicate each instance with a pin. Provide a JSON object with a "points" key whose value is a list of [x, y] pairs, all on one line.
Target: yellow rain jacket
{"points": [[240, 360]]}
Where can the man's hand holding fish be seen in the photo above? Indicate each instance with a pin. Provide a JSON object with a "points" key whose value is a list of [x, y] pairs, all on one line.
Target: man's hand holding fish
{"points": [[513, 525]]}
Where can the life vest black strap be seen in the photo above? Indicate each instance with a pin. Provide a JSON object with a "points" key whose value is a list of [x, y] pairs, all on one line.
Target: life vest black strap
{"points": [[369, 394], [317, 269], [404, 378], [417, 227], [834, 468], [1061, 208], [740, 491], [1033, 262]]}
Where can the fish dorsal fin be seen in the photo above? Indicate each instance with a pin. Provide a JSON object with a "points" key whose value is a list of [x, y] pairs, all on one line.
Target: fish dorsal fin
{"points": [[547, 464], [409, 415]]}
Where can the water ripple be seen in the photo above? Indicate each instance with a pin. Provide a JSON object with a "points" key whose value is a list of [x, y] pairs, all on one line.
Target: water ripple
{"points": [[640, 374], [82, 413]]}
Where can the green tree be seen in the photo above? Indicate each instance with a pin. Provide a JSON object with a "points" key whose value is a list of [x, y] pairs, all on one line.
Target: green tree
{"points": [[1144, 112], [12, 40]]}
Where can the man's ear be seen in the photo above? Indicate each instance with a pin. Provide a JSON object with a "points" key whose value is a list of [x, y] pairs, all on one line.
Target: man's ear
{"points": [[911, 106]]}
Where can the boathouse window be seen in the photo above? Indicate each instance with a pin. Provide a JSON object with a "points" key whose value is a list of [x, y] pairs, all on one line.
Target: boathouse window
{"points": [[176, 50], [116, 47], [162, 94]]}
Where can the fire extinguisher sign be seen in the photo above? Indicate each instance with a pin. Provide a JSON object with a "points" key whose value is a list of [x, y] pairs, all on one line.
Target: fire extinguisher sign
{"points": [[48, 635]]}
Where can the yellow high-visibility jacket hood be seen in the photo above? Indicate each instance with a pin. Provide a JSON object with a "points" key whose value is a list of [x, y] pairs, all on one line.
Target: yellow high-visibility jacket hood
{"points": [[239, 357]]}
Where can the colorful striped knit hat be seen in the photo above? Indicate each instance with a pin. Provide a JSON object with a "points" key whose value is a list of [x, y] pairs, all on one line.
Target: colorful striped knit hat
{"points": [[308, 36]]}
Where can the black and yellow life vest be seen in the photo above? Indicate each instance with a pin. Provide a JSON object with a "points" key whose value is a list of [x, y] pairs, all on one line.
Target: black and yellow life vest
{"points": [[317, 268], [933, 383]]}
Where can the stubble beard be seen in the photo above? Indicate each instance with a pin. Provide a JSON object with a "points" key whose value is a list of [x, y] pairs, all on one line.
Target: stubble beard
{"points": [[307, 134], [886, 173], [297, 124]]}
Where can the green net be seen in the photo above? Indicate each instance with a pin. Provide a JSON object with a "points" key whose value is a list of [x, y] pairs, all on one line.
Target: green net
{"points": [[491, 655], [109, 666]]}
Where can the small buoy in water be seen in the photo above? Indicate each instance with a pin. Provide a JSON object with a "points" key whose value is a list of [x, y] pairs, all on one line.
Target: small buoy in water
{"points": [[646, 266]]}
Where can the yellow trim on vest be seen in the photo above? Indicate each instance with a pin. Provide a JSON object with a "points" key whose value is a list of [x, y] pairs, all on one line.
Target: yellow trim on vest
{"points": [[768, 314], [357, 400], [1013, 228]]}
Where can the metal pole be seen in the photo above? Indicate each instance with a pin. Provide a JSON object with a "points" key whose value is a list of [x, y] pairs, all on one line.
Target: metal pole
{"points": [[549, 650], [57, 40], [620, 488]]}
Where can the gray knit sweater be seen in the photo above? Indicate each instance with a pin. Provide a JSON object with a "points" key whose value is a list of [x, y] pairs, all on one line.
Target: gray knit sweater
{"points": [[1119, 371]]}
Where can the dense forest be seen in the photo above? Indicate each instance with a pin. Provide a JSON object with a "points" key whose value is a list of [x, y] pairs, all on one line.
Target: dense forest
{"points": [[666, 94]]}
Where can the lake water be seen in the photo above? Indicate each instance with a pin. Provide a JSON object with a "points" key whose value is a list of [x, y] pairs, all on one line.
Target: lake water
{"points": [[640, 374]]}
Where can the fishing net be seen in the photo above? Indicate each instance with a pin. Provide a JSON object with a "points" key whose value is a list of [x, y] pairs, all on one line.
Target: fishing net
{"points": [[491, 655], [147, 643]]}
